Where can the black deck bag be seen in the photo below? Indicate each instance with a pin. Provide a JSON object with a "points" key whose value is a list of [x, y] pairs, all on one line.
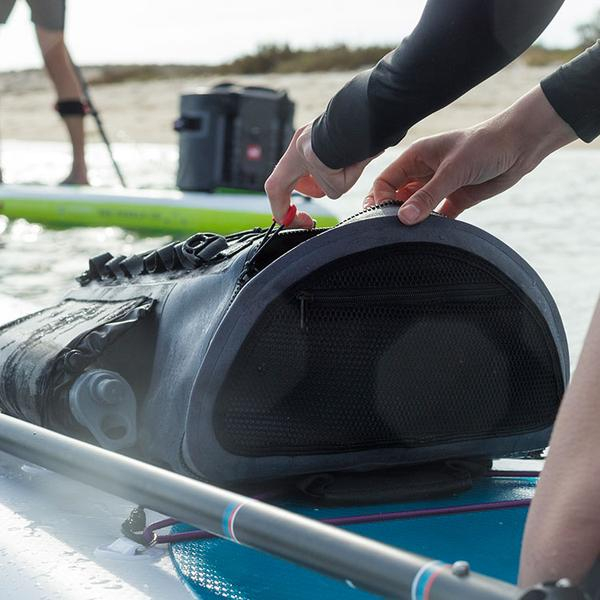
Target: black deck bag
{"points": [[367, 345]]}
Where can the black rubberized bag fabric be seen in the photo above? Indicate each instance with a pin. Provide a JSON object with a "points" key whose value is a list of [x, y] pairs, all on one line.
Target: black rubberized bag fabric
{"points": [[367, 345]]}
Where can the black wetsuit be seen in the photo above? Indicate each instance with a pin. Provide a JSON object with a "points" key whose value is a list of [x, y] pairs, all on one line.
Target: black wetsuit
{"points": [[574, 92], [456, 45]]}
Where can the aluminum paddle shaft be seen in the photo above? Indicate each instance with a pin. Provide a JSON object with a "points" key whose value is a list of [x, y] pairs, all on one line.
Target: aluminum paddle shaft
{"points": [[362, 562]]}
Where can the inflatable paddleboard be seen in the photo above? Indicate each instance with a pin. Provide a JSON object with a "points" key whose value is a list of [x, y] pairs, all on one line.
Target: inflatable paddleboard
{"points": [[483, 526], [169, 212]]}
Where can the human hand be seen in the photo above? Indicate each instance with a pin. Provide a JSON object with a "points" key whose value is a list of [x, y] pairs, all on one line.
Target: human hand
{"points": [[462, 168], [300, 169]]}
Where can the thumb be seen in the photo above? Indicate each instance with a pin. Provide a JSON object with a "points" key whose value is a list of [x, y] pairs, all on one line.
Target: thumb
{"points": [[424, 200]]}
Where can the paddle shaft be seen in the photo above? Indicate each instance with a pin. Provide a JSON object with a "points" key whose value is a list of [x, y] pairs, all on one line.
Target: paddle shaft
{"points": [[94, 112], [363, 563]]}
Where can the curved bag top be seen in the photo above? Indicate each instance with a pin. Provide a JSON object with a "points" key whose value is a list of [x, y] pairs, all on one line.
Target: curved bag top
{"points": [[367, 345]]}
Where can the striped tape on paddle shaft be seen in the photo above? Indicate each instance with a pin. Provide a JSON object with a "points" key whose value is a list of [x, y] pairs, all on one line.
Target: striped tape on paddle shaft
{"points": [[228, 521], [424, 579]]}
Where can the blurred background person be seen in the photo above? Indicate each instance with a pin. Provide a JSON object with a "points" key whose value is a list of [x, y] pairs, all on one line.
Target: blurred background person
{"points": [[48, 16]]}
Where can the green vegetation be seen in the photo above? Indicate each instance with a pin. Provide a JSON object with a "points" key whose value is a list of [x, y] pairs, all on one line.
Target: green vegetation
{"points": [[273, 58], [540, 56], [282, 59], [587, 33], [267, 59]]}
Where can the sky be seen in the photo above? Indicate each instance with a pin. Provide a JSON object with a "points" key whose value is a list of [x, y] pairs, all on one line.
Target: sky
{"points": [[210, 32]]}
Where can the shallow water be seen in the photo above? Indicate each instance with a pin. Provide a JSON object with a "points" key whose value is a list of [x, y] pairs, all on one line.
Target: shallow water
{"points": [[552, 218]]}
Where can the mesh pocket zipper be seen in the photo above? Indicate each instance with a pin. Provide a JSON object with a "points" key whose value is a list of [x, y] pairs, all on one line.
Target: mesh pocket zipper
{"points": [[416, 295]]}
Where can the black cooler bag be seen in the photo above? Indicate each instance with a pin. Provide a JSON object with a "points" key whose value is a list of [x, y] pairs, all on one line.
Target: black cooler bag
{"points": [[366, 345], [232, 136]]}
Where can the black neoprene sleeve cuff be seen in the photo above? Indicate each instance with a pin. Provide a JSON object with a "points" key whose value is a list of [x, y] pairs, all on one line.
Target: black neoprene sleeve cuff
{"points": [[573, 90]]}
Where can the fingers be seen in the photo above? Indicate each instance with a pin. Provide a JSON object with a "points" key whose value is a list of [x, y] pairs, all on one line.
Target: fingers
{"points": [[328, 181], [400, 195], [419, 197], [400, 179], [461, 168], [470, 195], [412, 165], [281, 183], [452, 209], [300, 169], [308, 186], [418, 179], [408, 190], [382, 191], [393, 178], [455, 204], [331, 182], [424, 200], [303, 221]]}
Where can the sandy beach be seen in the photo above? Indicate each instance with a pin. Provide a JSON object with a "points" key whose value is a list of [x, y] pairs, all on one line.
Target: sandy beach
{"points": [[143, 111]]}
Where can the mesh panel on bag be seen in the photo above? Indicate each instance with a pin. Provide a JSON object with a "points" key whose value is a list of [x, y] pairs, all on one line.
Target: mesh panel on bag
{"points": [[404, 346]]}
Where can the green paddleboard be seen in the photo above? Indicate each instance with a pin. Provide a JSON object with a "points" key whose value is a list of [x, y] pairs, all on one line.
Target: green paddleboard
{"points": [[160, 212]]}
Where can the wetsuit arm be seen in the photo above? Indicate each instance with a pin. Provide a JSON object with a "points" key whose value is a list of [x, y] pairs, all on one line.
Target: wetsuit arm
{"points": [[574, 92], [456, 45]]}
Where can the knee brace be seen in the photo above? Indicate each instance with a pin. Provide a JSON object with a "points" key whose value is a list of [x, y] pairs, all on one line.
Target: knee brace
{"points": [[71, 108]]}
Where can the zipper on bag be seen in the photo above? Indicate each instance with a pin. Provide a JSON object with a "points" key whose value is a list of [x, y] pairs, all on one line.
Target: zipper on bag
{"points": [[416, 295]]}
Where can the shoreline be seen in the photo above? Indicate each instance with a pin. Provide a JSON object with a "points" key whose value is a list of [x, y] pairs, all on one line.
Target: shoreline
{"points": [[144, 111]]}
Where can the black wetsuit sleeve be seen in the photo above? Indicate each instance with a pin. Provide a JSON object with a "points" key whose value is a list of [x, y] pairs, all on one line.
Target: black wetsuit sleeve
{"points": [[574, 92], [456, 45]]}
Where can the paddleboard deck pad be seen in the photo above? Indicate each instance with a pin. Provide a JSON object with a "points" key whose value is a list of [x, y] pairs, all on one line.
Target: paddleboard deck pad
{"points": [[483, 526], [168, 212]]}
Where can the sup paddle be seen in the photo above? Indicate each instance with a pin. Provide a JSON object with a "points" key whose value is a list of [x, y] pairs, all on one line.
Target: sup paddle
{"points": [[94, 112], [361, 562]]}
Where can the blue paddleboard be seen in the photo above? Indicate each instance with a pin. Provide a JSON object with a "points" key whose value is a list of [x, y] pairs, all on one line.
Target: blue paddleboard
{"points": [[488, 538]]}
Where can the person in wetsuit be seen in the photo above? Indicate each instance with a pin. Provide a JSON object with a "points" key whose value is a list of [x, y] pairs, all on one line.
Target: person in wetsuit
{"points": [[48, 16], [457, 44]]}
